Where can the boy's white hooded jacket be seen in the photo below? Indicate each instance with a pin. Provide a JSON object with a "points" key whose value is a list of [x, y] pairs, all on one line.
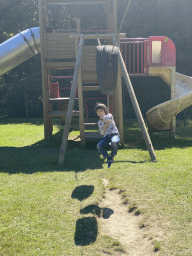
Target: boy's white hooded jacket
{"points": [[112, 127]]}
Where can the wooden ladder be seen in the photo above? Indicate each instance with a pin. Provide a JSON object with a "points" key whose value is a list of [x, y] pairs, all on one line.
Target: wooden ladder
{"points": [[71, 101], [92, 136]]}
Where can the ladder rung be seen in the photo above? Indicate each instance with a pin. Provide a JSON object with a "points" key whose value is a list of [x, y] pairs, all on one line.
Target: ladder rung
{"points": [[93, 136], [91, 88], [61, 113], [90, 81], [61, 77], [58, 100], [70, 65], [90, 125], [76, 2]]}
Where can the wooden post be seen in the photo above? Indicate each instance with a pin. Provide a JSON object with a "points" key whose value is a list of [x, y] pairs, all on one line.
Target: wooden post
{"points": [[136, 106], [115, 16], [137, 109], [112, 15], [120, 105], [80, 96], [71, 102], [173, 95], [81, 111], [112, 26], [78, 25], [26, 103], [119, 100], [44, 74], [46, 12], [50, 119]]}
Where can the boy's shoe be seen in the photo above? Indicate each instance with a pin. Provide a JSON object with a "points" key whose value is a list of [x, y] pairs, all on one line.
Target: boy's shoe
{"points": [[109, 161]]}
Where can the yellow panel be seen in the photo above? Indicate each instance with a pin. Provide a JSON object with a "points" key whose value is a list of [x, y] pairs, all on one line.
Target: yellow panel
{"points": [[60, 46], [60, 38], [61, 53], [163, 72], [57, 35], [156, 51]]}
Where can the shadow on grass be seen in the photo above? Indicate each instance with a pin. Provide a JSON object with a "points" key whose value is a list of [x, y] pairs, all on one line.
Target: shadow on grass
{"points": [[44, 158], [86, 231], [87, 228], [105, 212], [134, 139], [82, 192], [160, 143]]}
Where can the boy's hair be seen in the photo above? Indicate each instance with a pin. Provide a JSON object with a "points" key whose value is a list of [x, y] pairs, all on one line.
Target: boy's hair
{"points": [[101, 106]]}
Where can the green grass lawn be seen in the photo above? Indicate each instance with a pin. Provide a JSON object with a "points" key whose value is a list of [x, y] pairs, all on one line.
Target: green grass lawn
{"points": [[41, 203]]}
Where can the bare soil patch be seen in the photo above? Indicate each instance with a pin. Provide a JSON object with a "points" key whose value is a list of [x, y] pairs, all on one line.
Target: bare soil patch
{"points": [[124, 226]]}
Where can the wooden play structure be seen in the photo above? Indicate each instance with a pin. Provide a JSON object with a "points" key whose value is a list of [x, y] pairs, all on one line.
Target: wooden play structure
{"points": [[65, 49]]}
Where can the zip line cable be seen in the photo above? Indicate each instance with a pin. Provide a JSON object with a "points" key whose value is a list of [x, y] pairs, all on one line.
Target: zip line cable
{"points": [[105, 54], [99, 43], [124, 16], [122, 23]]}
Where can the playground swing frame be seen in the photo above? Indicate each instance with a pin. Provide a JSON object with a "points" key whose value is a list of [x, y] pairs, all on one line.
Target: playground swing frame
{"points": [[131, 93], [115, 105]]}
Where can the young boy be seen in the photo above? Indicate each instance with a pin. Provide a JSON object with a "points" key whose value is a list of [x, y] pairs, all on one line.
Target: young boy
{"points": [[107, 128]]}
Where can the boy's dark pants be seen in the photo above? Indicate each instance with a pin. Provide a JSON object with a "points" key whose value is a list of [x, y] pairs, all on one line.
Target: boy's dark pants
{"points": [[114, 139]]}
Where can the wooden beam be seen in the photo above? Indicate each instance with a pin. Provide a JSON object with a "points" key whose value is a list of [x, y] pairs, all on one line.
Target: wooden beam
{"points": [[76, 2], [95, 36], [71, 102], [135, 105]]}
